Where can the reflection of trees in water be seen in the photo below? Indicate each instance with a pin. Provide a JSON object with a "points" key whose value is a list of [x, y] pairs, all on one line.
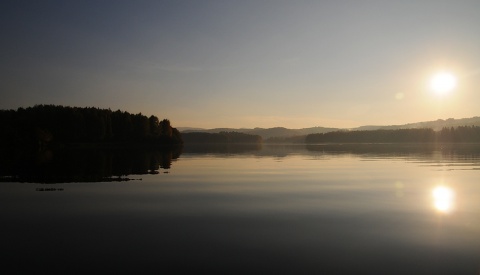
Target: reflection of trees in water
{"points": [[432, 151], [83, 165], [222, 148], [108, 164], [377, 149], [453, 151]]}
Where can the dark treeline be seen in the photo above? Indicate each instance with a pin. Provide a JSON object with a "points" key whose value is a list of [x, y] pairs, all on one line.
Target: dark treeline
{"points": [[283, 140], [220, 138], [44, 124], [459, 134]]}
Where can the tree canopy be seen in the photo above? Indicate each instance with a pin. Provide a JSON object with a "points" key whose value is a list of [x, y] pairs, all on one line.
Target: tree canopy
{"points": [[44, 124]]}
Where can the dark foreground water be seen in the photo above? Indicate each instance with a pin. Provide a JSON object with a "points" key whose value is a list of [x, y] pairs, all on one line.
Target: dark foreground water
{"points": [[278, 209]]}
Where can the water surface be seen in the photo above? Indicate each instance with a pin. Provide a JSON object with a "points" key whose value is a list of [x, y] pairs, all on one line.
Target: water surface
{"points": [[374, 209]]}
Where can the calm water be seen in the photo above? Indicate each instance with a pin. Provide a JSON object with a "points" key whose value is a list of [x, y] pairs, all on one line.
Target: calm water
{"points": [[277, 209]]}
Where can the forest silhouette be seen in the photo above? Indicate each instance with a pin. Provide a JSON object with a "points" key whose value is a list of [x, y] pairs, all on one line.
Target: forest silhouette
{"points": [[44, 125], [47, 126]]}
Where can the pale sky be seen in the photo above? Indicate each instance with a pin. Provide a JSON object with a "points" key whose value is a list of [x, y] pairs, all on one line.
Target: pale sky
{"points": [[244, 63]]}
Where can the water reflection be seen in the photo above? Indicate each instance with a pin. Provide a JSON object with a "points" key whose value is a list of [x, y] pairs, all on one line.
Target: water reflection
{"points": [[427, 151], [399, 186], [83, 165], [313, 212], [116, 164], [222, 149], [443, 199]]}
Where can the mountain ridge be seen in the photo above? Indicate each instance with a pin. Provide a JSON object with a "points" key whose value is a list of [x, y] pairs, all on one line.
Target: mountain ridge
{"points": [[283, 132]]}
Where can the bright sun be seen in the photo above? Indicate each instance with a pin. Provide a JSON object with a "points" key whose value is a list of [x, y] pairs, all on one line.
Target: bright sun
{"points": [[443, 82]]}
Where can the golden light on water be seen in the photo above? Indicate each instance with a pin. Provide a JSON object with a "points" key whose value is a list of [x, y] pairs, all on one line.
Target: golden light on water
{"points": [[442, 83], [443, 199]]}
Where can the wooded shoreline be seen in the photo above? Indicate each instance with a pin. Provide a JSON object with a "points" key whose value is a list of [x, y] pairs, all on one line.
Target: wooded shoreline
{"points": [[53, 126]]}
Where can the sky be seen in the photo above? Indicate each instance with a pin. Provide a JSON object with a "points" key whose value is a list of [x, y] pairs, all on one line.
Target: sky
{"points": [[244, 64]]}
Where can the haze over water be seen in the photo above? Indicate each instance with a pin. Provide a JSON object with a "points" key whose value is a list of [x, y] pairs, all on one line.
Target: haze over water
{"points": [[290, 209]]}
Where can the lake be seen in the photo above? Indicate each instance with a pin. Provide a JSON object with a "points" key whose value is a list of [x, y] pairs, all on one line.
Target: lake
{"points": [[289, 209]]}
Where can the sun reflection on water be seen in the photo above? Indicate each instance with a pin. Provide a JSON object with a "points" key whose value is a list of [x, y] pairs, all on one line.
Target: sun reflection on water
{"points": [[443, 199]]}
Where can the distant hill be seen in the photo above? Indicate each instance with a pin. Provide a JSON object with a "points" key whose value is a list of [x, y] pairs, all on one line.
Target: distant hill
{"points": [[265, 132], [436, 125], [282, 132], [186, 129], [285, 132]]}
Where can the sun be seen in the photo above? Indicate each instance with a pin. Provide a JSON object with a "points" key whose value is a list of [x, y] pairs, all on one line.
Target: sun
{"points": [[442, 83]]}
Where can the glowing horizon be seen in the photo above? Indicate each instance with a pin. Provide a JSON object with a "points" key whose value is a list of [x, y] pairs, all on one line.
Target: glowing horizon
{"points": [[245, 64]]}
